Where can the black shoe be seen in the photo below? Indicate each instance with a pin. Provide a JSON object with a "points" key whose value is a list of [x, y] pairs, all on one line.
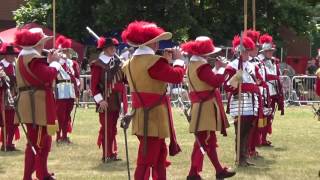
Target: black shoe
{"points": [[106, 160], [194, 177], [226, 173], [11, 148], [267, 144], [245, 163], [115, 158], [50, 177], [64, 141]]}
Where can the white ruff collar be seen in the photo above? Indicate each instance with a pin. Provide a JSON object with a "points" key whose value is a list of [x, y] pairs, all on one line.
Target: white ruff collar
{"points": [[5, 63], [25, 52], [105, 59], [143, 50], [197, 58]]}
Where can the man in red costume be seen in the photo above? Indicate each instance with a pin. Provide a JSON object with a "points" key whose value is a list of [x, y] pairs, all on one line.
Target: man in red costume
{"points": [[67, 88], [255, 132], [207, 112], [272, 74], [240, 69], [108, 64], [7, 93], [36, 106], [148, 76]]}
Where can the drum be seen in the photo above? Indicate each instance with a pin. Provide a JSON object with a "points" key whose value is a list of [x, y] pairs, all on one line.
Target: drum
{"points": [[65, 90], [249, 105]]}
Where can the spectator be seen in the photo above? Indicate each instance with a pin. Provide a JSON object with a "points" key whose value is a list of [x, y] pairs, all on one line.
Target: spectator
{"points": [[286, 83], [312, 68]]}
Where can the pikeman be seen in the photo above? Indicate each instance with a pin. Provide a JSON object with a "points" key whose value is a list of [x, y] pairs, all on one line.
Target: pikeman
{"points": [[272, 73], [255, 132], [112, 87], [67, 88], [7, 95], [36, 106], [240, 70], [148, 76], [207, 112]]}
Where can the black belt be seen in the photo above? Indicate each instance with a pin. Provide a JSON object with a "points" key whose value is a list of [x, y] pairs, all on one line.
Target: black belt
{"points": [[63, 81], [31, 88]]}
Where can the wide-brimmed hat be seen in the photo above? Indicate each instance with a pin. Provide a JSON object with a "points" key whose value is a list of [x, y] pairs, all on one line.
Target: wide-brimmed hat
{"points": [[266, 42], [141, 33], [30, 38], [8, 49], [201, 46], [106, 42]]}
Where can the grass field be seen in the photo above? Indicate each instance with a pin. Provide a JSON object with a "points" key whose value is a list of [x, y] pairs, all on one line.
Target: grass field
{"points": [[295, 155]]}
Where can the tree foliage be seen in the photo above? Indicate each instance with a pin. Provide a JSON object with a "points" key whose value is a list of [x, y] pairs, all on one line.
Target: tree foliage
{"points": [[32, 11], [219, 19]]}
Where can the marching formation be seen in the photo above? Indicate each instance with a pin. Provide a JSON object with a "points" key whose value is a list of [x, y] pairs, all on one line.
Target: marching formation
{"points": [[39, 88]]}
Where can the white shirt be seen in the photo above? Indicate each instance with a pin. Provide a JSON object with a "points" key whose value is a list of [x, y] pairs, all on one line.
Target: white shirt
{"points": [[143, 50]]}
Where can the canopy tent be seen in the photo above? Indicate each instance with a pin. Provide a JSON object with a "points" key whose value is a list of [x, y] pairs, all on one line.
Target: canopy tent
{"points": [[299, 64], [8, 36]]}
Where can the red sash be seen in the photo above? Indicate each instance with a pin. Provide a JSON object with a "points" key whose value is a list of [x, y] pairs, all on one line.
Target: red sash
{"points": [[199, 96], [149, 99], [35, 82]]}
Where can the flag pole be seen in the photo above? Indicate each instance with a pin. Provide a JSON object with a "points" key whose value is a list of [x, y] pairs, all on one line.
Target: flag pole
{"points": [[245, 11], [254, 14], [54, 21]]}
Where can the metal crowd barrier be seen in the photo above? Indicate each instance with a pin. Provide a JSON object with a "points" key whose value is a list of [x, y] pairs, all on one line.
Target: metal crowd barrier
{"points": [[303, 90], [296, 89]]}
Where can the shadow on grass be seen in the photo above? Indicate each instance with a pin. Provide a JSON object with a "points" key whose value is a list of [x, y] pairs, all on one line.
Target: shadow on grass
{"points": [[114, 166], [273, 148], [11, 153], [2, 171], [261, 165]]}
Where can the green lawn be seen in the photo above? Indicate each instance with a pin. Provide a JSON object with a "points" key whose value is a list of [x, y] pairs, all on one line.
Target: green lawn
{"points": [[296, 154]]}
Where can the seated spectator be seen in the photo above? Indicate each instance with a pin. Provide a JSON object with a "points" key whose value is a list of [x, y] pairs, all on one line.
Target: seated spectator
{"points": [[312, 68]]}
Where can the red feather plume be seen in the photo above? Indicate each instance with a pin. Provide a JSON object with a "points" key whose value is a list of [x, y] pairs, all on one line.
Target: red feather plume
{"points": [[139, 32], [253, 35], [24, 37], [266, 38], [115, 41], [63, 42], [101, 42], [198, 47], [247, 42]]}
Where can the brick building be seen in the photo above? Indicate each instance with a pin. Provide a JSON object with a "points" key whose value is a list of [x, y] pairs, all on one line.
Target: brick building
{"points": [[6, 16]]}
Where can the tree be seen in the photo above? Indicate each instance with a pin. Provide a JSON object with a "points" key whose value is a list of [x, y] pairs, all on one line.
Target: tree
{"points": [[187, 19], [32, 11]]}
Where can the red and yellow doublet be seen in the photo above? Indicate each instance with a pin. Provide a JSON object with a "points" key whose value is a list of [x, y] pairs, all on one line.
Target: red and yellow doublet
{"points": [[148, 76], [35, 76], [204, 91]]}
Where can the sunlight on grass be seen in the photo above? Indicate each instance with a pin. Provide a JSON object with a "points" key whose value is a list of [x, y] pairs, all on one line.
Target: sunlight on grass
{"points": [[296, 152]]}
